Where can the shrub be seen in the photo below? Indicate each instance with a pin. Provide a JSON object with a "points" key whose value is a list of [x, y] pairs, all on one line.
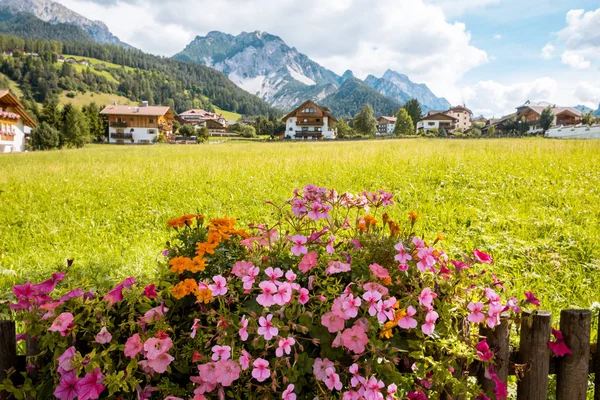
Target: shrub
{"points": [[44, 137], [334, 297]]}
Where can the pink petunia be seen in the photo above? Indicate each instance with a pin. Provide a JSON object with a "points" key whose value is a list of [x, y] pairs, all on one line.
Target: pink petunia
{"points": [[335, 267], [373, 388], [227, 372], [154, 314], [288, 393], [303, 296], [221, 353], [385, 309], [273, 274], [531, 299], [309, 261], [559, 347], [403, 256], [245, 360], [133, 346], [320, 367], [332, 322], [475, 316], [90, 386], [63, 323], [371, 298], [350, 305], [220, 286], [249, 279], [379, 271], [150, 291], [267, 329], [426, 298], [160, 363], [403, 267], [299, 245], [65, 361], [283, 295], [67, 388], [355, 339], [154, 347], [332, 380], [285, 346], [243, 332], [429, 326], [208, 372], [104, 336], [261, 371], [407, 322], [241, 268], [483, 351], [266, 298], [195, 327], [482, 257]]}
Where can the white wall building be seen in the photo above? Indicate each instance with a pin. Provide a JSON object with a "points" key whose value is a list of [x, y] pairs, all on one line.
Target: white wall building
{"points": [[310, 122], [138, 125], [14, 122], [574, 132], [438, 121], [386, 125]]}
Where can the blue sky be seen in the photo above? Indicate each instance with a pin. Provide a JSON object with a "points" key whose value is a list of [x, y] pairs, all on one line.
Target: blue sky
{"points": [[486, 54]]}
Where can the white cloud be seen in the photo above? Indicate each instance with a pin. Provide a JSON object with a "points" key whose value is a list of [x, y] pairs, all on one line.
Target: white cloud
{"points": [[492, 98], [548, 51], [455, 8], [497, 36], [581, 38], [588, 93]]}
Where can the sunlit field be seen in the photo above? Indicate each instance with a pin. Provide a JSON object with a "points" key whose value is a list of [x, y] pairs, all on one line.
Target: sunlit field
{"points": [[533, 204]]}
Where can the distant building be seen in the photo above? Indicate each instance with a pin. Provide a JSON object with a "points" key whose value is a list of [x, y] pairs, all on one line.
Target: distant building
{"points": [[310, 122], [461, 119], [60, 59], [386, 125], [84, 62], [574, 132], [563, 116], [438, 121], [71, 60], [138, 125], [463, 116], [200, 117], [13, 123]]}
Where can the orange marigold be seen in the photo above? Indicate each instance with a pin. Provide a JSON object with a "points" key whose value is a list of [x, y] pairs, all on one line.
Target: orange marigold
{"points": [[181, 264], [198, 264], [204, 296], [205, 248], [370, 221], [180, 290]]}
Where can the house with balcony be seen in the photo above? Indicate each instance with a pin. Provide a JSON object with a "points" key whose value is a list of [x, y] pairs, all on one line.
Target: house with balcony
{"points": [[563, 116], [138, 124], [438, 121], [310, 122], [13, 123], [199, 117], [386, 125]]}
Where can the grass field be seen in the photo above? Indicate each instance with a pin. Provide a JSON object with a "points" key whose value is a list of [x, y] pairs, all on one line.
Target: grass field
{"points": [[229, 115], [101, 99], [533, 204]]}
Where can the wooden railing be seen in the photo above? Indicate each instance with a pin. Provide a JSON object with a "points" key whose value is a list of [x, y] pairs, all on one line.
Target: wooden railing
{"points": [[7, 138], [531, 363]]}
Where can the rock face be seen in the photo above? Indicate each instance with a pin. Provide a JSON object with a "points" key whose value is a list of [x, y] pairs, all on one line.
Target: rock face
{"points": [[55, 13], [263, 64]]}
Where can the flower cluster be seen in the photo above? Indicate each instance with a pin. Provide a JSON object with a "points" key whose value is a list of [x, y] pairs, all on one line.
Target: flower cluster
{"points": [[333, 299]]}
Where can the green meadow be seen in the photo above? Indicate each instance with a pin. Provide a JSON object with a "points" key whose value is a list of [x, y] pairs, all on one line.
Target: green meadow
{"points": [[534, 204]]}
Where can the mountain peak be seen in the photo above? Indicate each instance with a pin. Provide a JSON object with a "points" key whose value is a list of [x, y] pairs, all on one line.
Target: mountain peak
{"points": [[391, 74], [347, 75]]}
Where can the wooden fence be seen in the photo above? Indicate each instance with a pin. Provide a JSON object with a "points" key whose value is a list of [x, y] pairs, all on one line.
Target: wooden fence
{"points": [[532, 363]]}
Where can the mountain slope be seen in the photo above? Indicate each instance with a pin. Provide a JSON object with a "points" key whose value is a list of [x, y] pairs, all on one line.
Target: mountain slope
{"points": [[583, 109], [55, 13], [27, 26], [347, 101], [399, 87]]}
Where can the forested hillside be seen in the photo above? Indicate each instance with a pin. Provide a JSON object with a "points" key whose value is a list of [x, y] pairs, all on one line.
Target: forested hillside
{"points": [[130, 73], [27, 26]]}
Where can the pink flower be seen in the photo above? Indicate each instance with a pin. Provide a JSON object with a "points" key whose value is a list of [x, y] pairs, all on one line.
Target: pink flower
{"points": [[283, 295], [303, 296], [429, 326], [208, 372], [249, 279], [559, 347], [150, 291], [160, 363], [245, 359], [355, 339], [391, 391], [376, 287], [309, 261], [227, 372], [116, 294], [482, 257], [500, 390], [261, 370], [475, 316], [372, 298], [67, 388], [385, 309], [320, 367], [373, 387], [351, 395], [335, 267], [483, 351], [133, 346], [195, 327], [290, 276], [407, 322], [221, 353], [273, 274], [285, 346], [154, 314], [350, 305], [243, 332], [332, 380], [532, 299], [266, 298], [90, 386], [154, 347], [241, 268], [495, 309], [288, 393], [426, 298], [62, 324], [65, 361], [267, 330], [403, 256], [220, 286], [104, 336], [379, 271], [298, 248], [332, 322]]}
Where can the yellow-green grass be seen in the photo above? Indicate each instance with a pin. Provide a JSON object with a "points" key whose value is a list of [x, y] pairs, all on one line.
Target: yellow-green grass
{"points": [[229, 115], [12, 85], [101, 99], [80, 68], [533, 204], [95, 61]]}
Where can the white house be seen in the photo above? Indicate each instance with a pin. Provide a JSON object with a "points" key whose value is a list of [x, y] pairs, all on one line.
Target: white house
{"points": [[438, 121], [310, 122], [386, 125], [13, 123], [138, 124], [574, 132]]}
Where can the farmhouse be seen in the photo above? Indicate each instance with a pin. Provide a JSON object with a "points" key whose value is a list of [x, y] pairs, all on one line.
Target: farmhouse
{"points": [[138, 125], [200, 117], [439, 121], [386, 125], [309, 122], [563, 116], [13, 120]]}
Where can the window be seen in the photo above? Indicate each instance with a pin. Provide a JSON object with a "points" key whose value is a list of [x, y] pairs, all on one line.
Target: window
{"points": [[131, 119], [305, 120], [305, 129], [431, 123], [151, 121], [291, 129], [151, 131]]}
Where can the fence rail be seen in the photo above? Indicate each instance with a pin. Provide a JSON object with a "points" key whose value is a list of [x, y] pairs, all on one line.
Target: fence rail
{"points": [[532, 363]]}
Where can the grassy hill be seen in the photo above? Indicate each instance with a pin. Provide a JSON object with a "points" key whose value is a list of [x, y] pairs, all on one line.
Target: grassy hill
{"points": [[101, 99]]}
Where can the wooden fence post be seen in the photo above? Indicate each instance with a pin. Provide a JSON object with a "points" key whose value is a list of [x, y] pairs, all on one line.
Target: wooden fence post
{"points": [[597, 366], [573, 370], [534, 356], [497, 340], [8, 350]]}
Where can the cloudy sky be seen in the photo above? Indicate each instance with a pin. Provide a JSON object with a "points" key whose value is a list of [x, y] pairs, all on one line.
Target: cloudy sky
{"points": [[491, 55]]}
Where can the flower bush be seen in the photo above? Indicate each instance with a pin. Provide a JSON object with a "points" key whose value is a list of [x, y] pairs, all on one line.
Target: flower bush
{"points": [[333, 300]]}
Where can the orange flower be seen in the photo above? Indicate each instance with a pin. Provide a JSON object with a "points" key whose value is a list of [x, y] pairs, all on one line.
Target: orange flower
{"points": [[387, 281], [204, 248], [180, 290], [413, 216], [198, 264], [371, 221], [181, 264], [204, 296], [176, 223], [394, 228], [361, 225]]}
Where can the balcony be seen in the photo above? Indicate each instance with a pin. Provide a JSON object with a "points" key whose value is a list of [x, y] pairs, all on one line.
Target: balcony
{"points": [[7, 138], [118, 124], [121, 136], [309, 133], [310, 123]]}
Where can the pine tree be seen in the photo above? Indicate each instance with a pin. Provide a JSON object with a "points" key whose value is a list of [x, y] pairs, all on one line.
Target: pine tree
{"points": [[404, 123], [364, 122], [75, 130], [44, 137], [50, 113], [343, 129], [546, 119], [413, 107]]}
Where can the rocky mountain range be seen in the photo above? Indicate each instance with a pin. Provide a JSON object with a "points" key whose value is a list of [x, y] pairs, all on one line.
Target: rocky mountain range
{"points": [[55, 13], [263, 64]]}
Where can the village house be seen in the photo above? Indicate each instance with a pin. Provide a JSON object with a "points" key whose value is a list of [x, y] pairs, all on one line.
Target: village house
{"points": [[13, 123], [310, 122], [386, 125], [200, 117], [138, 125], [85, 62], [563, 116], [438, 121]]}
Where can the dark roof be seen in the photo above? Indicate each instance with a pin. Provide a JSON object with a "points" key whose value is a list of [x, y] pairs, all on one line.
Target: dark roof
{"points": [[324, 110]]}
